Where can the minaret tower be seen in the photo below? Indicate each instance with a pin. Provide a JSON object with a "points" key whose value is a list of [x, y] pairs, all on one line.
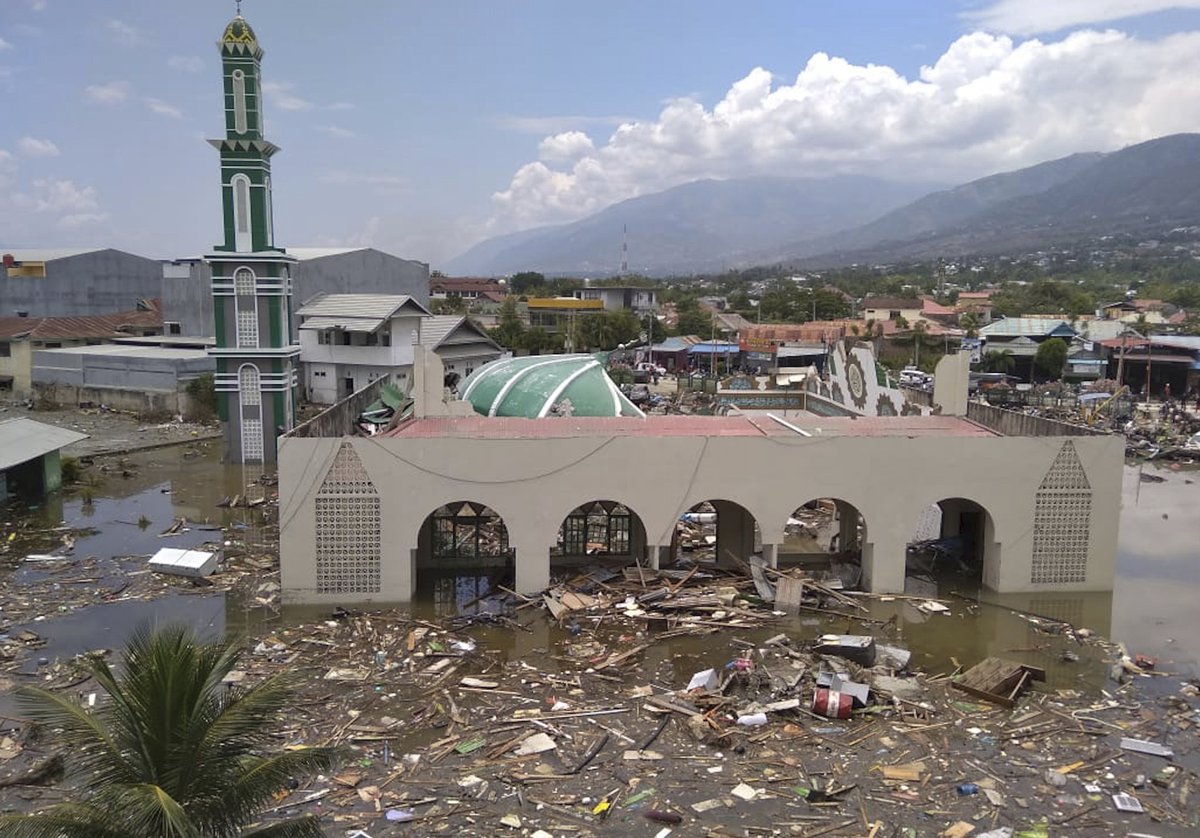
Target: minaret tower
{"points": [[256, 377]]}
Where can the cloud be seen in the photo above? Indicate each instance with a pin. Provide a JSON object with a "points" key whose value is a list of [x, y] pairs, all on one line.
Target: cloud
{"points": [[337, 131], [4, 45], [81, 219], [282, 95], [566, 147], [556, 124], [38, 5], [185, 63], [161, 108], [341, 106], [62, 195], [113, 93], [986, 105], [1031, 17], [31, 147], [124, 34]]}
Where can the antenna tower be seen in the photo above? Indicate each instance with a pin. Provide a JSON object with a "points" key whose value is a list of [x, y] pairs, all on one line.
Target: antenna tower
{"points": [[624, 250]]}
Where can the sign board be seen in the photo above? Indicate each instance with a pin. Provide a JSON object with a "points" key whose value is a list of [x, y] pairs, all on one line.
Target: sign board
{"points": [[975, 347]]}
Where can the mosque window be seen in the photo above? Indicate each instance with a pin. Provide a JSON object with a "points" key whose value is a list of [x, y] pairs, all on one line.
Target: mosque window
{"points": [[239, 101], [269, 211], [241, 200]]}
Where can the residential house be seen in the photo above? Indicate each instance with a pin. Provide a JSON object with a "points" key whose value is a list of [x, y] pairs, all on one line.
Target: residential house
{"points": [[893, 308], [1021, 337], [978, 303], [74, 282], [350, 340], [468, 289], [1152, 312], [556, 314], [641, 301], [20, 337]]}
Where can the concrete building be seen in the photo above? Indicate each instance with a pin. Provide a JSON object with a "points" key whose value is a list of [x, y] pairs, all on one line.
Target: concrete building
{"points": [[468, 289], [22, 337], [893, 308], [144, 379], [1022, 336], [30, 464], [74, 282], [350, 340], [362, 516], [641, 301]]}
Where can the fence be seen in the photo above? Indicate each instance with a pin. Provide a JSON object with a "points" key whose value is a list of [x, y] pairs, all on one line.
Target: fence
{"points": [[1012, 423], [339, 419]]}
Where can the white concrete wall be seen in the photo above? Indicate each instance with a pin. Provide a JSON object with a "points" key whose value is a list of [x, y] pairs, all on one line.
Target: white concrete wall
{"points": [[534, 483]]}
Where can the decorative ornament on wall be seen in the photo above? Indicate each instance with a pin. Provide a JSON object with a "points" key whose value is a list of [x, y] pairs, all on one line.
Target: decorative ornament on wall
{"points": [[856, 382]]}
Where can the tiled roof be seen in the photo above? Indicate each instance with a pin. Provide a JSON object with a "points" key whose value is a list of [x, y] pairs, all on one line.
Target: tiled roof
{"points": [[381, 306], [892, 302], [437, 329], [83, 327]]}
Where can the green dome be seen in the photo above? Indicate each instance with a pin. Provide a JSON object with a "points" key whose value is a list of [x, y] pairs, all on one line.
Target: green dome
{"points": [[530, 386], [239, 32]]}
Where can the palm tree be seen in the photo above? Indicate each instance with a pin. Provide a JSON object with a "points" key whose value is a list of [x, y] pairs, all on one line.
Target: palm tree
{"points": [[171, 752]]}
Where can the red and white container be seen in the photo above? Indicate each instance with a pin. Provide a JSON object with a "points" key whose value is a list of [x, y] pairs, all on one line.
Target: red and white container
{"points": [[832, 704]]}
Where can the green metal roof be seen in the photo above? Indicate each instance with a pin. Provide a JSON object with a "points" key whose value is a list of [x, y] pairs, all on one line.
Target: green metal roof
{"points": [[530, 386]]}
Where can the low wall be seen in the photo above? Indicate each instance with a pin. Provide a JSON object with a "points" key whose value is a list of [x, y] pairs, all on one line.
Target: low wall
{"points": [[339, 420], [1012, 423], [117, 398]]}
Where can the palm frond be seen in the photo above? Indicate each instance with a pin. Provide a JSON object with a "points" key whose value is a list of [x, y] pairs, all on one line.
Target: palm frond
{"points": [[303, 827], [66, 820]]}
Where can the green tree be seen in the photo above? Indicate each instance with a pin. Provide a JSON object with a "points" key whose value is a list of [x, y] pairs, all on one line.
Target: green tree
{"points": [[999, 361], [171, 751], [1051, 357], [970, 323], [525, 281], [510, 330], [693, 320], [448, 305]]}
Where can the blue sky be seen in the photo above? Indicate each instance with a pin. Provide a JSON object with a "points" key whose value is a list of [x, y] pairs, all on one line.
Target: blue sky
{"points": [[421, 128]]}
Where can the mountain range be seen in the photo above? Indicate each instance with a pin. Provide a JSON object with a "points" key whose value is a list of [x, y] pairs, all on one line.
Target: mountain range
{"points": [[1141, 190]]}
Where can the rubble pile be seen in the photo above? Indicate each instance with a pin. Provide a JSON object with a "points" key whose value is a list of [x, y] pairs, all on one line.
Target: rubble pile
{"points": [[576, 713]]}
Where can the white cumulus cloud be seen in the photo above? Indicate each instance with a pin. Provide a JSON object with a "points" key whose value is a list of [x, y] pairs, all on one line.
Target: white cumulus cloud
{"points": [[62, 195], [112, 93], [566, 147], [32, 147], [186, 63], [1030, 17], [988, 104], [4, 45], [162, 108]]}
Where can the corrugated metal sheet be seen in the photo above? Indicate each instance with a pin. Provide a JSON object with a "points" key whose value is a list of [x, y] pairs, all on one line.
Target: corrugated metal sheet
{"points": [[90, 326], [379, 306], [21, 440], [48, 254], [1023, 326], [349, 324]]}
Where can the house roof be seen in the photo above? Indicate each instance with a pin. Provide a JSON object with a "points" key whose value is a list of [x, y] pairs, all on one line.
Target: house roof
{"points": [[933, 308], [21, 440], [80, 328], [448, 329], [1188, 342], [531, 385], [732, 322], [306, 253], [1027, 327], [565, 303], [356, 312], [984, 296], [892, 302]]}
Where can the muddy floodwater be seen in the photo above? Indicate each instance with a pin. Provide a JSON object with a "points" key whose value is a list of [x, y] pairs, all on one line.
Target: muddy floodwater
{"points": [[122, 517]]}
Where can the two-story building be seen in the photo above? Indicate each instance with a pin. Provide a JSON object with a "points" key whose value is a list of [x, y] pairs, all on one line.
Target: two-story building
{"points": [[641, 301], [467, 289], [350, 340]]}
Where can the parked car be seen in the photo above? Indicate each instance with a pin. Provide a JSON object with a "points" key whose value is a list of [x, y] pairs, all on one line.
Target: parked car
{"points": [[651, 368]]}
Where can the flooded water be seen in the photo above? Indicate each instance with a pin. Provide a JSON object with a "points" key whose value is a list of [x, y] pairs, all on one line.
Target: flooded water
{"points": [[1152, 610]]}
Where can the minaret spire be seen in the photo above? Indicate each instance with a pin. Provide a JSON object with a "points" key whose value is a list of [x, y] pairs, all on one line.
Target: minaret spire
{"points": [[239, 7]]}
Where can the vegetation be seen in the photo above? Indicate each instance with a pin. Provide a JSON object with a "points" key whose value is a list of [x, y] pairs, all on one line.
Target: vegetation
{"points": [[170, 751], [70, 468], [1051, 357], [202, 397]]}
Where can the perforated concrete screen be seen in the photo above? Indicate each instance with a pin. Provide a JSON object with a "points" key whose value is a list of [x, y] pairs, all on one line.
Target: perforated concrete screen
{"points": [[347, 528], [1062, 521]]}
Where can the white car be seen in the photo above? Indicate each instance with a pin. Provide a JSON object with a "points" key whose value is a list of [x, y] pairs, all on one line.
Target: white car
{"points": [[653, 369]]}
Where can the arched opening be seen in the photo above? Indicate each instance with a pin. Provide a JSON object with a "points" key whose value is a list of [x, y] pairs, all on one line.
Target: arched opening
{"points": [[953, 547], [826, 535], [245, 290], [239, 102], [242, 238], [250, 406], [719, 532], [463, 555], [600, 531]]}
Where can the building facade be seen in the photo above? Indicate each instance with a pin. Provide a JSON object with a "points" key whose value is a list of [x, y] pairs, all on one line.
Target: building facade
{"points": [[256, 376], [75, 282]]}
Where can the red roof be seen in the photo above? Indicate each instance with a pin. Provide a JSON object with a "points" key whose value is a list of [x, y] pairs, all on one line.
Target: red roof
{"points": [[83, 327], [753, 425]]}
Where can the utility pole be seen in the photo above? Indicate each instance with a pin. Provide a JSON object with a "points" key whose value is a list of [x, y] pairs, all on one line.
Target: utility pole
{"points": [[1121, 361]]}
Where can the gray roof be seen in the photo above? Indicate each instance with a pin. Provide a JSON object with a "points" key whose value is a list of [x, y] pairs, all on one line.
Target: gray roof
{"points": [[306, 253], [441, 329], [117, 350], [1030, 326], [22, 440], [1191, 342], [356, 312], [48, 254]]}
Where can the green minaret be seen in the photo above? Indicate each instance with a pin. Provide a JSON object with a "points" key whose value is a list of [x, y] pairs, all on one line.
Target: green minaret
{"points": [[251, 278]]}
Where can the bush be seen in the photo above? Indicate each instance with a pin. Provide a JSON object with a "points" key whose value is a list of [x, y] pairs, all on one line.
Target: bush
{"points": [[70, 469], [202, 398]]}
